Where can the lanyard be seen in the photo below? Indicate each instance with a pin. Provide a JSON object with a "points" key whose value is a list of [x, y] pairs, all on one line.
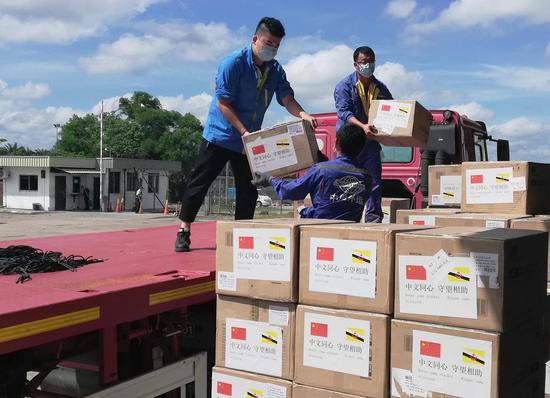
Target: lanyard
{"points": [[262, 78]]}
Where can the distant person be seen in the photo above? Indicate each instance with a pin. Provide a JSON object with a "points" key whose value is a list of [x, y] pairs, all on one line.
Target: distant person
{"points": [[139, 199], [86, 195], [246, 82], [338, 188], [353, 96]]}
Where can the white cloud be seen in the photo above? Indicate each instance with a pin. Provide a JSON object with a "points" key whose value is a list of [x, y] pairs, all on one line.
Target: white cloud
{"points": [[403, 84], [60, 21], [469, 13], [473, 110], [109, 104], [523, 78], [522, 127], [184, 41], [400, 8], [28, 91], [197, 105]]}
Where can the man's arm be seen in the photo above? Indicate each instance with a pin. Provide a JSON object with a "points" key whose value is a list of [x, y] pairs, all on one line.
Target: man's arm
{"points": [[295, 109], [296, 189], [224, 105]]}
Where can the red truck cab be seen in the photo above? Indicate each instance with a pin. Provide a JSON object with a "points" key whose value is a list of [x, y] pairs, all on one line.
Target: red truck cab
{"points": [[453, 139]]}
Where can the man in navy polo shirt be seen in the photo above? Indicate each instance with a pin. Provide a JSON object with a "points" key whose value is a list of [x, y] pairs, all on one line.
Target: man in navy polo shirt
{"points": [[352, 97], [246, 82]]}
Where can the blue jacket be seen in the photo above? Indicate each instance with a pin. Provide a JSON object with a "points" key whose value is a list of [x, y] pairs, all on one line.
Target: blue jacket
{"points": [[348, 102], [338, 190], [237, 81]]}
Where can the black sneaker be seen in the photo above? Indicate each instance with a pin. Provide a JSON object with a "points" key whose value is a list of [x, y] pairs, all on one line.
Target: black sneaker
{"points": [[183, 241]]}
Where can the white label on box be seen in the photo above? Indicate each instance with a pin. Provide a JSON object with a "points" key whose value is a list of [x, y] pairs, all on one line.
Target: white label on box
{"points": [[450, 189], [226, 386], [342, 266], [444, 287], [278, 315], [417, 219], [487, 186], [519, 184], [495, 224], [337, 344], [487, 269], [295, 129], [227, 281], [391, 115], [437, 200], [254, 347], [547, 382], [387, 214], [402, 383], [452, 365], [262, 254], [267, 154]]}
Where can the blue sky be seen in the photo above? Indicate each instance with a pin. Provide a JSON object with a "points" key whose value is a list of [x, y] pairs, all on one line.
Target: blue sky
{"points": [[489, 60]]}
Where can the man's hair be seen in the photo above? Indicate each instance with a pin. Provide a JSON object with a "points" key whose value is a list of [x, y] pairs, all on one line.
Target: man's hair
{"points": [[363, 50], [270, 25], [351, 139]]}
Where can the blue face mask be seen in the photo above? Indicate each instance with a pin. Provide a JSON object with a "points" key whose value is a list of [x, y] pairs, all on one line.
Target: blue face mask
{"points": [[267, 53], [366, 70]]}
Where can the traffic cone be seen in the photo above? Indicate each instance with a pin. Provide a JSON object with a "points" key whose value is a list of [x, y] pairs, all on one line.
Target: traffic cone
{"points": [[140, 207], [117, 207], [166, 212]]}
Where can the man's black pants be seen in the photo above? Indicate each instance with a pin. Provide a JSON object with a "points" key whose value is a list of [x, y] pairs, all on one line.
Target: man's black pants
{"points": [[210, 162]]}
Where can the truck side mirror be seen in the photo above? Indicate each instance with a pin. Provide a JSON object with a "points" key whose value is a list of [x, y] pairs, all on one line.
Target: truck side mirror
{"points": [[503, 150]]}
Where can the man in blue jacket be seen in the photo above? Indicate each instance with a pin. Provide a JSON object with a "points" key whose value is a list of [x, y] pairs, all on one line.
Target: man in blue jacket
{"points": [[246, 82], [352, 96], [338, 188]]}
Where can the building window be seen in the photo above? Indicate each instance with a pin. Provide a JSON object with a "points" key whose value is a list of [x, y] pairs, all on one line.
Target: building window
{"points": [[28, 183], [132, 181], [114, 182], [76, 184], [153, 179]]}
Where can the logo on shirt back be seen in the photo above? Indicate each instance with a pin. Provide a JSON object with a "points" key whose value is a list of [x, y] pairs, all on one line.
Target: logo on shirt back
{"points": [[350, 185]]}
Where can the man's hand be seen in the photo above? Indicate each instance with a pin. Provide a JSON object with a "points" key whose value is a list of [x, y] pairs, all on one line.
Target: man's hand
{"points": [[308, 118], [370, 130], [261, 180]]}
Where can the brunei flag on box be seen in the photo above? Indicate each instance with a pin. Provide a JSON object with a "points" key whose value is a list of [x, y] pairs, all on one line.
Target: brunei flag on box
{"points": [[277, 243], [270, 338], [361, 257], [254, 393], [459, 274], [355, 335], [473, 357]]}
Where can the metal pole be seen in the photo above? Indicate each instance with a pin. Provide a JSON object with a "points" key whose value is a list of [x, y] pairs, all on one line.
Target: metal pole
{"points": [[101, 204]]}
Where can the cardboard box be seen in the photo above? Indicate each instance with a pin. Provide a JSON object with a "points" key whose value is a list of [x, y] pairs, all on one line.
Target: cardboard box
{"points": [[538, 223], [228, 383], [445, 185], [259, 258], [255, 336], [349, 266], [421, 216], [283, 149], [471, 277], [481, 220], [453, 362], [390, 207], [505, 187], [400, 123], [342, 350], [300, 391]]}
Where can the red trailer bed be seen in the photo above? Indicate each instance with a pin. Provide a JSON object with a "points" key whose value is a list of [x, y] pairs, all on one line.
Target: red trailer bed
{"points": [[141, 276]]}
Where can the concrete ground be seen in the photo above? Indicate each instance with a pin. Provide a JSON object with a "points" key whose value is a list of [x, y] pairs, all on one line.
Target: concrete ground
{"points": [[17, 224]]}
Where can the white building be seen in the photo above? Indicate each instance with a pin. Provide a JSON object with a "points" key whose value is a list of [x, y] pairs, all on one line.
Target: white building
{"points": [[57, 183]]}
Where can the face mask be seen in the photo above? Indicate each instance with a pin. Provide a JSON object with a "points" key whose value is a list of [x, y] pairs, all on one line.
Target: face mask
{"points": [[267, 53], [366, 70]]}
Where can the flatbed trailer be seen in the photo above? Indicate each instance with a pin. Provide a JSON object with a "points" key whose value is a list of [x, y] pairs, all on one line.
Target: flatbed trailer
{"points": [[53, 317]]}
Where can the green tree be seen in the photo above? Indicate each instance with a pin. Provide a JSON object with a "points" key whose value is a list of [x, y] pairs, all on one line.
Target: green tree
{"points": [[80, 137]]}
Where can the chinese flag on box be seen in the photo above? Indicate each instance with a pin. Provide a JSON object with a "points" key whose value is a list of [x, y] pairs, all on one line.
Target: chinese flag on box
{"points": [[416, 272], [476, 179], [386, 108], [238, 333], [258, 149], [246, 242], [319, 329], [325, 254], [224, 388], [430, 349], [419, 222]]}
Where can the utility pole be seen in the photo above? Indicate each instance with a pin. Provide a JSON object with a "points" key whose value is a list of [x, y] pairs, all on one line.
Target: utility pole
{"points": [[101, 204]]}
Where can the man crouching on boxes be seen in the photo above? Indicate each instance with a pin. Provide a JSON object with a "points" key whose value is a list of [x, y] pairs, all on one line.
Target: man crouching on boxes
{"points": [[338, 188]]}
